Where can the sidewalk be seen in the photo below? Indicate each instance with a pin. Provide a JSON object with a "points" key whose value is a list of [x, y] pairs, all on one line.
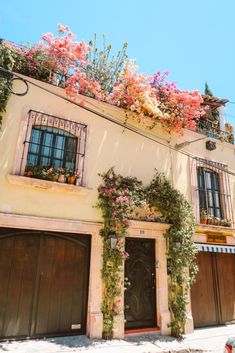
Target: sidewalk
{"points": [[202, 340]]}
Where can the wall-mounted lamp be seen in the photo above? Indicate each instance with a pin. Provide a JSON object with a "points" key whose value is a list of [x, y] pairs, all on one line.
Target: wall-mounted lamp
{"points": [[113, 240]]}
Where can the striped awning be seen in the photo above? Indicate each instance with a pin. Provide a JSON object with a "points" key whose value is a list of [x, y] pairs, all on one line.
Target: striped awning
{"points": [[216, 248]]}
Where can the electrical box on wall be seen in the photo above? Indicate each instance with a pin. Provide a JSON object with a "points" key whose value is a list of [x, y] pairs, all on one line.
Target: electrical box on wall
{"points": [[210, 145]]}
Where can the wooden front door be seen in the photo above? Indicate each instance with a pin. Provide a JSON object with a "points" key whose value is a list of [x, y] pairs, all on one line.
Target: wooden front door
{"points": [[213, 294], [140, 296], [44, 283]]}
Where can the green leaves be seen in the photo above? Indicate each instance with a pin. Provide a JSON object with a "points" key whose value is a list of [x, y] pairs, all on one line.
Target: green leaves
{"points": [[181, 251], [118, 197], [103, 67]]}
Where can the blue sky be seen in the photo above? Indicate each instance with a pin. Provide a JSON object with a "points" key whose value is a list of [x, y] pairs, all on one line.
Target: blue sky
{"points": [[194, 40]]}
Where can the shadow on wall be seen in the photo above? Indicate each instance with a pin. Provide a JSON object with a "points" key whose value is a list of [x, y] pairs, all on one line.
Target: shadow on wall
{"points": [[6, 151], [130, 154], [182, 174]]}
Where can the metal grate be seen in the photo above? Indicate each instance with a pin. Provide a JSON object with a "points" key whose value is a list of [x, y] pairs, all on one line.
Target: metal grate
{"points": [[54, 142], [212, 187]]}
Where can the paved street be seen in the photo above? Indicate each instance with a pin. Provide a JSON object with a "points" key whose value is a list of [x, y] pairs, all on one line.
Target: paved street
{"points": [[203, 340]]}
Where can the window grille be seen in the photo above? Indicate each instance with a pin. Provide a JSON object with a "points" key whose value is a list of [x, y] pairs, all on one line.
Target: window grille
{"points": [[209, 192], [212, 189], [54, 142]]}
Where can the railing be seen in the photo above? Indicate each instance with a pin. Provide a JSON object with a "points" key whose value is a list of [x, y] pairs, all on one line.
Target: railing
{"points": [[210, 128]]}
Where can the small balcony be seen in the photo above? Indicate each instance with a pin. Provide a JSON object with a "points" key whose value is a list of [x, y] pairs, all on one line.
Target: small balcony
{"points": [[211, 128]]}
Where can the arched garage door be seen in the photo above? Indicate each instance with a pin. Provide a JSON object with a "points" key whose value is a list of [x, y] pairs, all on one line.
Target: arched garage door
{"points": [[43, 283]]}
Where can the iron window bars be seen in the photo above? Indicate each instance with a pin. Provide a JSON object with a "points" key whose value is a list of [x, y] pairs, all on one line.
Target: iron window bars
{"points": [[213, 189], [54, 142]]}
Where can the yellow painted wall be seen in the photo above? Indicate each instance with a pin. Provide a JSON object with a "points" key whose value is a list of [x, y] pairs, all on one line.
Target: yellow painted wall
{"points": [[107, 145]]}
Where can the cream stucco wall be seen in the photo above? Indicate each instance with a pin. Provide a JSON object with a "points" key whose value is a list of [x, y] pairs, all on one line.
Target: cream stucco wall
{"points": [[107, 145]]}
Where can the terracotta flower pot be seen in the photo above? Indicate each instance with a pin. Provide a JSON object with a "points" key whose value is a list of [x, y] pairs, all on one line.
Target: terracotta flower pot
{"points": [[29, 174], [71, 179], [203, 220]]}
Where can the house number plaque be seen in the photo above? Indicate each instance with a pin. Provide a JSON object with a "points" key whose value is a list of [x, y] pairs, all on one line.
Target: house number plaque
{"points": [[215, 238]]}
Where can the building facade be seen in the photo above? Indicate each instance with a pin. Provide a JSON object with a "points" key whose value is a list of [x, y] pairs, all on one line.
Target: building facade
{"points": [[51, 249]]}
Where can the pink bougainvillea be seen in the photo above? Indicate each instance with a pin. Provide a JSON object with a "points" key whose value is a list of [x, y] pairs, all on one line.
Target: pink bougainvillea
{"points": [[64, 51], [67, 56], [150, 99], [180, 108], [135, 93], [157, 101]]}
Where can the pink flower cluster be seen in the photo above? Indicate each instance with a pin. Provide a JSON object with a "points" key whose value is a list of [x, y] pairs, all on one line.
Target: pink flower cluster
{"points": [[66, 56], [151, 99], [134, 92], [64, 50], [180, 108], [157, 101], [122, 199]]}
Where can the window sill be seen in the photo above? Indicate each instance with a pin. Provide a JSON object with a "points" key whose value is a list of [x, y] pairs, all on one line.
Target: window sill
{"points": [[214, 229], [46, 185]]}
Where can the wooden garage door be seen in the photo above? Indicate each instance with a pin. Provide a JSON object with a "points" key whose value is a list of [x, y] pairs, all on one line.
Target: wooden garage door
{"points": [[226, 277], [213, 294], [44, 283]]}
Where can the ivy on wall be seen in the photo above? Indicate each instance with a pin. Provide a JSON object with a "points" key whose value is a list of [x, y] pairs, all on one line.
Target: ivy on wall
{"points": [[26, 62], [118, 197], [4, 94], [181, 251]]}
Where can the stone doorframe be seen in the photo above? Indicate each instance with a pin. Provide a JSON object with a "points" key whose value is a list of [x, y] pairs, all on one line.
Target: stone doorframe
{"points": [[94, 315], [151, 230]]}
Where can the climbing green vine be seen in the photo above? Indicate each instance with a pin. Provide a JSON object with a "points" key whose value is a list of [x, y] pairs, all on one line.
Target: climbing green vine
{"points": [[118, 197], [4, 94], [181, 252], [27, 62]]}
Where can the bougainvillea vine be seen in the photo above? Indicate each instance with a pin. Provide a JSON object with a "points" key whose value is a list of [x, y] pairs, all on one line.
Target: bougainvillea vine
{"points": [[64, 61], [118, 197]]}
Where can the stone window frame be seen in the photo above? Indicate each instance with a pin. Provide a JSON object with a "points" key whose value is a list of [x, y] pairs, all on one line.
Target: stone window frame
{"points": [[28, 118]]}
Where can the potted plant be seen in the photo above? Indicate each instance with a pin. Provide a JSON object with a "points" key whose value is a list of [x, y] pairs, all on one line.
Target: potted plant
{"points": [[28, 171], [210, 220], [39, 172], [226, 223], [216, 221], [61, 175], [203, 216], [52, 174], [77, 178], [73, 177]]}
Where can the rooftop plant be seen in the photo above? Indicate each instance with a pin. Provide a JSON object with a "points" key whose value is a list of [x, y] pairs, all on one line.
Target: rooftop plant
{"points": [[84, 69]]}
